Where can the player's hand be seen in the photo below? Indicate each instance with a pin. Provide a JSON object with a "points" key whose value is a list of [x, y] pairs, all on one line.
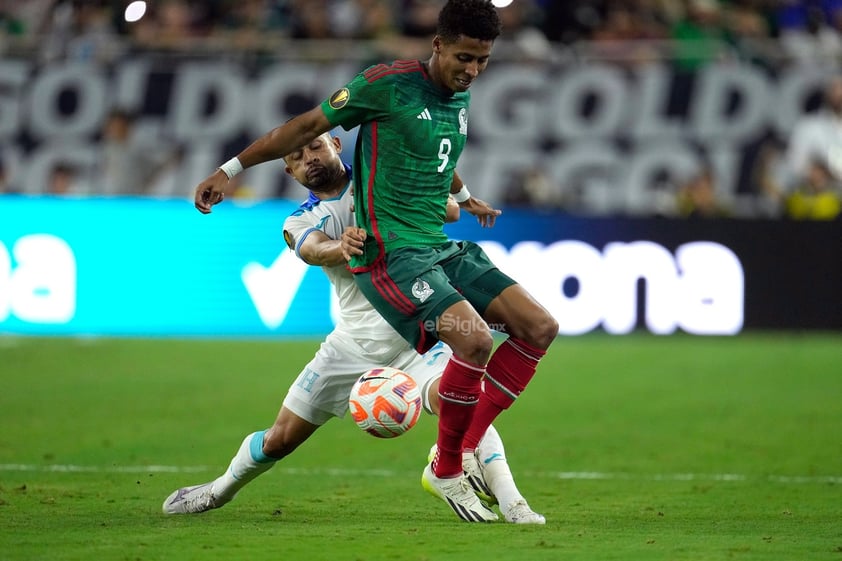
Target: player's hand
{"points": [[211, 191], [352, 242], [485, 213]]}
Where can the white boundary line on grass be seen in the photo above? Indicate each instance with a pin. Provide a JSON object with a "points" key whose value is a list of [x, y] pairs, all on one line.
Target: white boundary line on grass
{"points": [[342, 472]]}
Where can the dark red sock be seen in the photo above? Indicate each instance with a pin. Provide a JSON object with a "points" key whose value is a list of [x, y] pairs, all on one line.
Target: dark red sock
{"points": [[509, 371], [459, 391]]}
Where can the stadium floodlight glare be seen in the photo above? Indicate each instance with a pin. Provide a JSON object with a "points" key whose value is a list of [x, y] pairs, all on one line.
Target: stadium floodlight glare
{"points": [[135, 11]]}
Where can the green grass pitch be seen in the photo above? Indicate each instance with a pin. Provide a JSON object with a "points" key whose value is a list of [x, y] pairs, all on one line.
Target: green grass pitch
{"points": [[635, 448]]}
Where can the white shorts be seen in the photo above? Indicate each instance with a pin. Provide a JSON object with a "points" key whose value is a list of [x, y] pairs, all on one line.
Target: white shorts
{"points": [[322, 388]]}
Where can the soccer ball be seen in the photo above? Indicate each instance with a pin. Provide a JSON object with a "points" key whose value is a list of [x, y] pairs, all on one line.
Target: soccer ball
{"points": [[385, 402]]}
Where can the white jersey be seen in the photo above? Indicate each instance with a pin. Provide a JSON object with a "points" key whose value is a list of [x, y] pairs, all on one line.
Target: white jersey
{"points": [[361, 339], [331, 216]]}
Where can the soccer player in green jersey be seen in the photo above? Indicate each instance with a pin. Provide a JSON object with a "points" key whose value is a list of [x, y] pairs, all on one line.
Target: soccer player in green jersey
{"points": [[413, 119]]}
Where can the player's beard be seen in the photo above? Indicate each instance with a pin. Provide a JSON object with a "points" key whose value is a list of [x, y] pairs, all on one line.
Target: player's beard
{"points": [[323, 179]]}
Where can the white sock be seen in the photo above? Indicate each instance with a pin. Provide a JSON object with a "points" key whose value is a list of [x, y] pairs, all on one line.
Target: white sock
{"points": [[492, 456], [247, 464]]}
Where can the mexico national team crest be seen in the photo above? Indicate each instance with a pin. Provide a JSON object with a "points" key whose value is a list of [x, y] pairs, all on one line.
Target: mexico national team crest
{"points": [[339, 98], [421, 289], [463, 121]]}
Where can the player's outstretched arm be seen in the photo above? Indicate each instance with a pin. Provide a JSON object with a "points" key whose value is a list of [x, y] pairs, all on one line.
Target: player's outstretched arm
{"points": [[485, 213], [275, 144], [319, 249]]}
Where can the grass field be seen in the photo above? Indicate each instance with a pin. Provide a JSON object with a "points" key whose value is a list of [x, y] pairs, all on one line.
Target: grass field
{"points": [[635, 448]]}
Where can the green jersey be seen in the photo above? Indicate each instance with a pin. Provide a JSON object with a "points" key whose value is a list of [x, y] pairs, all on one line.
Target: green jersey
{"points": [[411, 134]]}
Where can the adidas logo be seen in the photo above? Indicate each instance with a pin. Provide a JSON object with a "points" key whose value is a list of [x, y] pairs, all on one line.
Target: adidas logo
{"points": [[425, 115]]}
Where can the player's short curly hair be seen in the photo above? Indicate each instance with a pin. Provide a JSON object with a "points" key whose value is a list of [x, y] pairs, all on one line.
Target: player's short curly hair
{"points": [[477, 19]]}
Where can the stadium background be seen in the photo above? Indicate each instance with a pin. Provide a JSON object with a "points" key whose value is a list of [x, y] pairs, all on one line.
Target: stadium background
{"points": [[590, 129], [587, 145]]}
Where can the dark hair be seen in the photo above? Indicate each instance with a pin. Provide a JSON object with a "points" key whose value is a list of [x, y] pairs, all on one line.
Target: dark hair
{"points": [[477, 19]]}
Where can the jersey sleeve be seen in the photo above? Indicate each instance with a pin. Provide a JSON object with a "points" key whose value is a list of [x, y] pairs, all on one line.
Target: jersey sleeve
{"points": [[358, 102], [296, 229]]}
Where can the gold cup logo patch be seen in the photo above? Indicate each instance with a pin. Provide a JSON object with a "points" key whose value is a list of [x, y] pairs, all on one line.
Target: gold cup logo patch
{"points": [[339, 99]]}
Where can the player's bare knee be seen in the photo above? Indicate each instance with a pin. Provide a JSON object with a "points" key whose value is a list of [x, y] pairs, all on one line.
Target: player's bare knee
{"points": [[477, 348], [541, 331], [549, 331], [470, 343]]}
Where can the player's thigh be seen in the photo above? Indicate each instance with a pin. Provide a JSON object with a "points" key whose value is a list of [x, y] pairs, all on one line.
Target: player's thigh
{"points": [[516, 312], [505, 305], [476, 277]]}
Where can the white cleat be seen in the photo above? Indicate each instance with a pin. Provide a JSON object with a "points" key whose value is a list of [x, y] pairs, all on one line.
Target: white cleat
{"points": [[459, 496], [192, 500], [472, 470], [520, 513]]}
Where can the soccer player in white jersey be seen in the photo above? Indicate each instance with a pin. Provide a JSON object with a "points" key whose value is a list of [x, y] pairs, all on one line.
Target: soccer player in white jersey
{"points": [[360, 341]]}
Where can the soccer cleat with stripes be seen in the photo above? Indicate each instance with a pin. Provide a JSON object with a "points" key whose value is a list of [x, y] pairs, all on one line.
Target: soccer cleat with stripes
{"points": [[192, 500], [459, 496], [472, 470]]}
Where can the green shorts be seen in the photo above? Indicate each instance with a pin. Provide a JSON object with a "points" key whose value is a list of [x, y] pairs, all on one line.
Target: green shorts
{"points": [[412, 286]]}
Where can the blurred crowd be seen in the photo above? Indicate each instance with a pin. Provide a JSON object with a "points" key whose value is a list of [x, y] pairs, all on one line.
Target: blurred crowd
{"points": [[695, 32], [94, 28]]}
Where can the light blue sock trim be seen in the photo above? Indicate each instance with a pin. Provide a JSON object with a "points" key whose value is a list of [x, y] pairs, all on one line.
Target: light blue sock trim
{"points": [[492, 457], [256, 449]]}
